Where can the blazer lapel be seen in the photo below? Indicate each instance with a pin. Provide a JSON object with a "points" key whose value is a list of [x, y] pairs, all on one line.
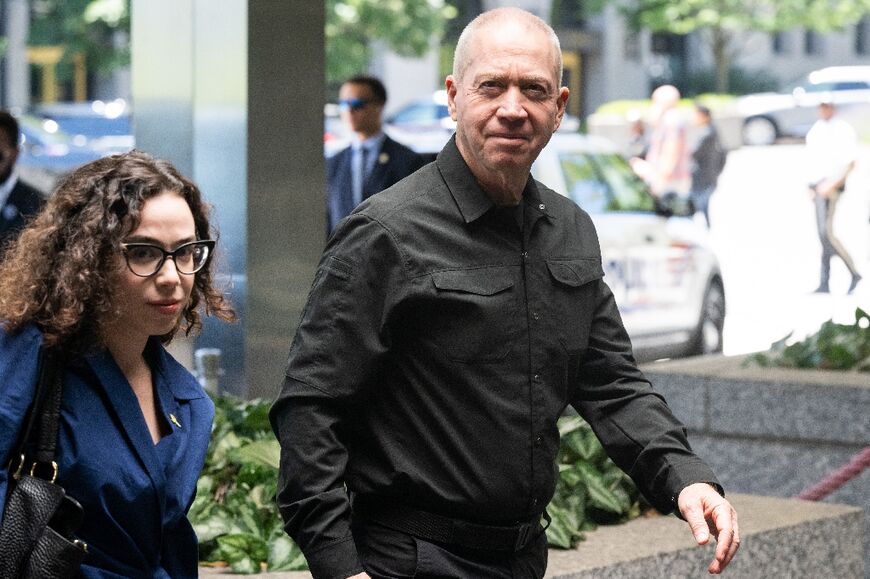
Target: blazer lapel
{"points": [[126, 406]]}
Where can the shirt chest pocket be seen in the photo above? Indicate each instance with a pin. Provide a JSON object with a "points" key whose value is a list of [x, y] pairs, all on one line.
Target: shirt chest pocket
{"points": [[475, 316], [572, 299]]}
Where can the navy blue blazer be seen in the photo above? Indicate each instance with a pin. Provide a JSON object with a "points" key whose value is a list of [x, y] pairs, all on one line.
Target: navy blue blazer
{"points": [[395, 162], [24, 202], [135, 494]]}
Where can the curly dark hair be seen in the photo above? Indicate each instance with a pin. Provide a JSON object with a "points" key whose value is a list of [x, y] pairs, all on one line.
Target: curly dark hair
{"points": [[59, 272]]}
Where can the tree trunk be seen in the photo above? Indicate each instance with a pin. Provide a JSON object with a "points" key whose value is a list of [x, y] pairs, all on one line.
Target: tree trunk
{"points": [[722, 58]]}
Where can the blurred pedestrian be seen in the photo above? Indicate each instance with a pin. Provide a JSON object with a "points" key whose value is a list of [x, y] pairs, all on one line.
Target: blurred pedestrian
{"points": [[373, 161], [452, 320], [637, 137], [708, 160], [18, 200], [116, 264], [832, 149], [665, 167]]}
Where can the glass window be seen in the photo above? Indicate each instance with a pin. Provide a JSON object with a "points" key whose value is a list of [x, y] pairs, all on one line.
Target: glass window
{"points": [[603, 183]]}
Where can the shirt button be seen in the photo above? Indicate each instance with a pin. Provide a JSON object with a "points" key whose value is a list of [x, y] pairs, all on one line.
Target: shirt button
{"points": [[534, 502], [536, 377], [538, 441], [542, 206], [525, 255], [535, 315]]}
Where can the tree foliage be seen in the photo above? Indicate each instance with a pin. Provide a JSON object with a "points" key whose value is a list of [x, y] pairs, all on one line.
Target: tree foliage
{"points": [[86, 27], [721, 21], [408, 27]]}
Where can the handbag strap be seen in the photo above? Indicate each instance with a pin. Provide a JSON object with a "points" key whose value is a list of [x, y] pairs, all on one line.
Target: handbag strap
{"points": [[42, 421]]}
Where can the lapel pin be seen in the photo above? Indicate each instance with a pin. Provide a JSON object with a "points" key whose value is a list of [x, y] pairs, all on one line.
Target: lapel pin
{"points": [[174, 420], [383, 158]]}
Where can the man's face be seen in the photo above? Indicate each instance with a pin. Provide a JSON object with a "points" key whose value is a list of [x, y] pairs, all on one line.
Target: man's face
{"points": [[359, 109], [508, 102], [826, 111], [8, 156]]}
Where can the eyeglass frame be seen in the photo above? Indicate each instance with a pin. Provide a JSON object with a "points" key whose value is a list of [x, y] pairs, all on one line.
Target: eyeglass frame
{"points": [[209, 243]]}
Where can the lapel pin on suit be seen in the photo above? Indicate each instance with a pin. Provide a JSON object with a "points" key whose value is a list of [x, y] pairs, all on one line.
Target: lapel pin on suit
{"points": [[174, 420], [383, 158]]}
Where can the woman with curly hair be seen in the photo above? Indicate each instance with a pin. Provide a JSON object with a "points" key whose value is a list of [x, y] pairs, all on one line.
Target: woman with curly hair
{"points": [[117, 262]]}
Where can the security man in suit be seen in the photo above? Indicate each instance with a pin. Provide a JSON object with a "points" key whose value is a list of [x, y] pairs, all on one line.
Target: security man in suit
{"points": [[373, 161], [18, 201]]}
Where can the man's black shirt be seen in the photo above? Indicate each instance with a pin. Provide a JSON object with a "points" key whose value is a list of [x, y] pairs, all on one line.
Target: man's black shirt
{"points": [[440, 343]]}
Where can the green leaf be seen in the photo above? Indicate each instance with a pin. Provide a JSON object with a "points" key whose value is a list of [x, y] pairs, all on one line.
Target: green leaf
{"points": [[243, 552], [263, 452], [600, 495], [285, 555]]}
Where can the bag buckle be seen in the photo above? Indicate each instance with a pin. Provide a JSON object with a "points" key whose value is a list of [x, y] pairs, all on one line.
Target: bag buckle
{"points": [[53, 471]]}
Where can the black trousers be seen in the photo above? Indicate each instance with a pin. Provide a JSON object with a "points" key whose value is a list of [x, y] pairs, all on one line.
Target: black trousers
{"points": [[391, 554]]}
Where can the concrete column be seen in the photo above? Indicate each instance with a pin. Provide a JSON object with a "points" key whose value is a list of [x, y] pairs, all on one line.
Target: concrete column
{"points": [[231, 92], [16, 71]]}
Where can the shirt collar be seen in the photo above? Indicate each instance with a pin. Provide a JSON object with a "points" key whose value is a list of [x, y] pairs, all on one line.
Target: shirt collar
{"points": [[473, 202], [372, 143]]}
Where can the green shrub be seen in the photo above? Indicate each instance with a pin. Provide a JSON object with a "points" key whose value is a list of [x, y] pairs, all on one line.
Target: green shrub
{"points": [[833, 347], [237, 523]]}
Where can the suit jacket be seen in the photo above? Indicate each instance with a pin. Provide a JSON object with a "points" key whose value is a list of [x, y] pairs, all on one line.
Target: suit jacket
{"points": [[395, 162], [135, 494], [23, 203]]}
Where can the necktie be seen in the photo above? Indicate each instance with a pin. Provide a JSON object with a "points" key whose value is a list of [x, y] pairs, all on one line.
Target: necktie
{"points": [[360, 169]]}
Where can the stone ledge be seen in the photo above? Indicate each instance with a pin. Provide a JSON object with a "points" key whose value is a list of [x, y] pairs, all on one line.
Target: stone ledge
{"points": [[780, 538]]}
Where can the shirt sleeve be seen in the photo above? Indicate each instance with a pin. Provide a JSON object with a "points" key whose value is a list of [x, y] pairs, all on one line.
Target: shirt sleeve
{"points": [[632, 421], [340, 340], [19, 363]]}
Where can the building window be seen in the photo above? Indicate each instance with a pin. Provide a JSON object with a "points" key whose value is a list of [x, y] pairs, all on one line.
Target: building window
{"points": [[779, 42], [862, 36], [812, 42]]}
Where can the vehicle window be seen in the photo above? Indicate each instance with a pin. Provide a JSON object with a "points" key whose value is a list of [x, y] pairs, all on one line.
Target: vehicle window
{"points": [[853, 85], [583, 182], [628, 192]]}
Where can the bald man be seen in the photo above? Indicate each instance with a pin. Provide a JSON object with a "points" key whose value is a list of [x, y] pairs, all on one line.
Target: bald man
{"points": [[452, 320]]}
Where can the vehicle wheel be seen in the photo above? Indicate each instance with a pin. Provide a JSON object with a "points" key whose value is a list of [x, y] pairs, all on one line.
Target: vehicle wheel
{"points": [[759, 131], [707, 338]]}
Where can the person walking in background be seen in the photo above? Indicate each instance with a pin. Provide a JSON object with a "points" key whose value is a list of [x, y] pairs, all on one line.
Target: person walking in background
{"points": [[106, 274], [832, 149], [18, 200], [665, 166], [373, 161], [452, 319], [708, 160]]}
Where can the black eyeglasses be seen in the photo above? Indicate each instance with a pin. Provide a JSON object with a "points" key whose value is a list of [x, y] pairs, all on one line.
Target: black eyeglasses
{"points": [[146, 259], [354, 104]]}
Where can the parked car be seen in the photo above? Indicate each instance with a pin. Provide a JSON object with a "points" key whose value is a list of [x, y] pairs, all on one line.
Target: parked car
{"points": [[47, 153], [769, 116], [657, 259], [106, 127]]}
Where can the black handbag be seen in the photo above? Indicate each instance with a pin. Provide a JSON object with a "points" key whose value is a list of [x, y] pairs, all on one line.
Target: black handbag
{"points": [[36, 537]]}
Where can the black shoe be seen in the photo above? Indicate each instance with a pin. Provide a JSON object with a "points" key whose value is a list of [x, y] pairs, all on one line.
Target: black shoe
{"points": [[822, 289], [855, 279]]}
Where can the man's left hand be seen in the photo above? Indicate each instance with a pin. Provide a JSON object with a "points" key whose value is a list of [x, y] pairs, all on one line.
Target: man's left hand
{"points": [[707, 512]]}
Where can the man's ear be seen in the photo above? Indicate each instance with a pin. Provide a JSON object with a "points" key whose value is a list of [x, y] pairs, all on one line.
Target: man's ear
{"points": [[561, 104], [450, 85]]}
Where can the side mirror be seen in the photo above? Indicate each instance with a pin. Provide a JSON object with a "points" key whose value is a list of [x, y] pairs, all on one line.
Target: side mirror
{"points": [[673, 205]]}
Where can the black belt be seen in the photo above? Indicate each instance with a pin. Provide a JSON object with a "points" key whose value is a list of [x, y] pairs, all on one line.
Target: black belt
{"points": [[441, 529]]}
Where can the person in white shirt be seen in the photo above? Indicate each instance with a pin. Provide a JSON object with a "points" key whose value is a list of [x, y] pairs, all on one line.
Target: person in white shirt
{"points": [[832, 147]]}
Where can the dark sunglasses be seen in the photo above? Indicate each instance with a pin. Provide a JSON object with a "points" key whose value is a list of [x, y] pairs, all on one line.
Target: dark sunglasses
{"points": [[356, 104]]}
